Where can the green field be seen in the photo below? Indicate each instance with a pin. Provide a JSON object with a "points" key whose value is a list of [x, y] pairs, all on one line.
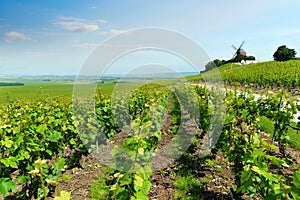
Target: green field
{"points": [[32, 91], [35, 90], [265, 74]]}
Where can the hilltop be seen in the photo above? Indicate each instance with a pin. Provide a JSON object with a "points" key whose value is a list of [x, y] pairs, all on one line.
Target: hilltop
{"points": [[270, 74]]}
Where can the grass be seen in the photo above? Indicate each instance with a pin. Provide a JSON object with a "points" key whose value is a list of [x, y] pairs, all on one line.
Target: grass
{"points": [[66, 178], [211, 163], [267, 126], [35, 90], [188, 188], [99, 190]]}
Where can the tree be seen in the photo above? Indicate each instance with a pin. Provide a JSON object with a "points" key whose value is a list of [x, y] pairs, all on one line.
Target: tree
{"points": [[210, 65], [214, 64], [250, 58], [240, 57], [283, 53], [219, 62]]}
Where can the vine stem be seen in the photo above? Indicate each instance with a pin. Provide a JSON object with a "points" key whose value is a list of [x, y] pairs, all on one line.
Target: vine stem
{"points": [[42, 180]]}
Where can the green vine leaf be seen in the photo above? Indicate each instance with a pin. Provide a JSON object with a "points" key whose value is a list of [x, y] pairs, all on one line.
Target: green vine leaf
{"points": [[138, 181], [6, 185], [63, 196], [296, 179]]}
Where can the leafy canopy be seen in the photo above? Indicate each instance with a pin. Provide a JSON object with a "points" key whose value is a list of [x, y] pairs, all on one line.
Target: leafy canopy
{"points": [[283, 53]]}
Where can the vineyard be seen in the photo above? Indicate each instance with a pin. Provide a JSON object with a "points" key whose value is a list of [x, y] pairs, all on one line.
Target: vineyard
{"points": [[164, 140], [272, 75]]}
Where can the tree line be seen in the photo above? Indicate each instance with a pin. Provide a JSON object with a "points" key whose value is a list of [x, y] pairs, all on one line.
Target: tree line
{"points": [[11, 84]]}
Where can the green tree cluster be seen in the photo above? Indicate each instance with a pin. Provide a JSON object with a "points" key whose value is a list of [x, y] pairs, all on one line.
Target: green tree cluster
{"points": [[217, 62], [214, 64], [283, 53], [240, 57]]}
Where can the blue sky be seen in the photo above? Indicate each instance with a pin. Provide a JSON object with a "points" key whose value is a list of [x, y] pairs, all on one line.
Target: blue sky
{"points": [[55, 37]]}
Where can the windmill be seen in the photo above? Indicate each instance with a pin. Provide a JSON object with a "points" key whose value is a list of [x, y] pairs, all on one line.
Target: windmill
{"points": [[239, 51]]}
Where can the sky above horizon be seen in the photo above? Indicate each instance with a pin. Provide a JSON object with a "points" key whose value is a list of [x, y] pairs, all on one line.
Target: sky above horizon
{"points": [[55, 37]]}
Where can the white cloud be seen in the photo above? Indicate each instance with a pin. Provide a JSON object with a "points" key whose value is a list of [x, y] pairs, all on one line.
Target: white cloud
{"points": [[116, 31], [102, 21], [112, 32], [12, 36], [75, 26], [84, 45], [68, 18]]}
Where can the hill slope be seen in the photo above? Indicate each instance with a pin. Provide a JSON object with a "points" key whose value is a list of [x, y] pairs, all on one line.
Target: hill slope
{"points": [[271, 73]]}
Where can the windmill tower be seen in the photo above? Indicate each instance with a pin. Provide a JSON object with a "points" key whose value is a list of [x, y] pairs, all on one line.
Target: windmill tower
{"points": [[239, 51]]}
